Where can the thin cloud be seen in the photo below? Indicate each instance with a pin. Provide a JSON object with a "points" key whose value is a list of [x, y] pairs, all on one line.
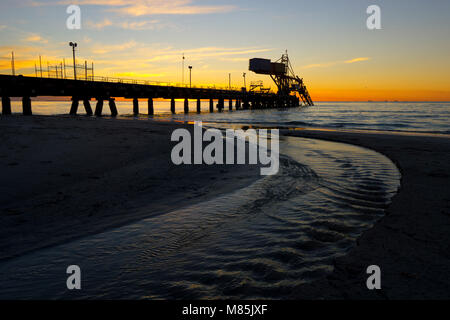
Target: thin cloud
{"points": [[26, 57], [129, 25], [206, 52], [320, 65], [334, 63], [182, 7], [151, 53], [5, 63], [141, 25], [99, 25], [35, 38], [234, 59], [149, 7], [139, 75], [115, 48], [358, 60]]}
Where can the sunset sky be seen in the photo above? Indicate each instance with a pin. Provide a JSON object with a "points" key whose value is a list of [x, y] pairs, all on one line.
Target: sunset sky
{"points": [[327, 40]]}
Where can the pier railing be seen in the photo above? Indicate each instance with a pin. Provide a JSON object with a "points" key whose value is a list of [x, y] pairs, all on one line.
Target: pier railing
{"points": [[59, 75], [158, 83], [85, 72]]}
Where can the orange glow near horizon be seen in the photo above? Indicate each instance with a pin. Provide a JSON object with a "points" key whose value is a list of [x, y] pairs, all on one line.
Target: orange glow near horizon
{"points": [[334, 84], [380, 95], [328, 42]]}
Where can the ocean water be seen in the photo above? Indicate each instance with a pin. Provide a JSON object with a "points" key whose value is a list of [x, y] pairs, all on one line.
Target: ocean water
{"points": [[411, 117], [262, 241]]}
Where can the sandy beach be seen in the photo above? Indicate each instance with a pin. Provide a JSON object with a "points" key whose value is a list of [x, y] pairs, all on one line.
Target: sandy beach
{"points": [[411, 244], [65, 178]]}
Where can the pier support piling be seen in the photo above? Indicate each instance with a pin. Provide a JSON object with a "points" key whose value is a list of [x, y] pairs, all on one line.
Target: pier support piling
{"points": [[221, 104], [199, 106], [26, 106], [99, 107], [135, 107], [172, 105], [112, 107], [186, 105], [211, 105], [87, 107], [6, 106], [74, 107], [246, 104], [230, 104], [150, 107], [278, 103]]}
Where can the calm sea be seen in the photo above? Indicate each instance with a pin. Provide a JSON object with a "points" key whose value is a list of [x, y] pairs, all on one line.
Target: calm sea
{"points": [[416, 117]]}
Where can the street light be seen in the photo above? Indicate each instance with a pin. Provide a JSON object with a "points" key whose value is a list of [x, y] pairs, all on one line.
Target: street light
{"points": [[190, 76], [182, 69], [13, 68], [74, 45], [245, 85]]}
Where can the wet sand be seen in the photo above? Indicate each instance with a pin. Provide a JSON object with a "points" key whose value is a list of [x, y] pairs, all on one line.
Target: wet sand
{"points": [[64, 178], [411, 243]]}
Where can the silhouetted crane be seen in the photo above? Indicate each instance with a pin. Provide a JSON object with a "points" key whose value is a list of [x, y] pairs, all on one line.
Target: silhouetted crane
{"points": [[283, 75]]}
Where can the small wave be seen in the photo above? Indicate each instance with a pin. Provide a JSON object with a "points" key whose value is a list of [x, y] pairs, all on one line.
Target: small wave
{"points": [[258, 242]]}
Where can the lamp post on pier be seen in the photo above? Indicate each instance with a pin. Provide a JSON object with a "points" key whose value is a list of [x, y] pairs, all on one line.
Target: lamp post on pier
{"points": [[74, 45], [182, 71], [13, 67], [190, 76]]}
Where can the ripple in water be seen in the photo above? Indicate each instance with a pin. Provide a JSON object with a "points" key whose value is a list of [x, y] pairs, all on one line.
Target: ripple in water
{"points": [[258, 242]]}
